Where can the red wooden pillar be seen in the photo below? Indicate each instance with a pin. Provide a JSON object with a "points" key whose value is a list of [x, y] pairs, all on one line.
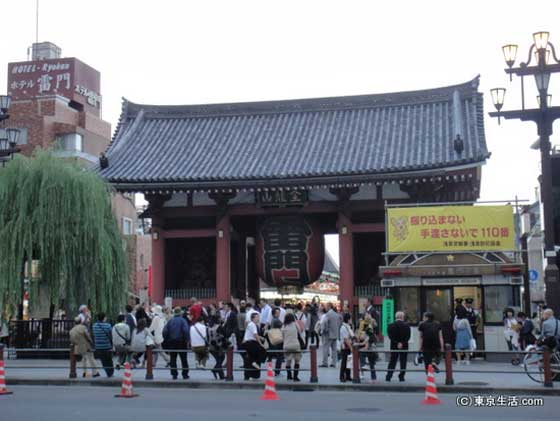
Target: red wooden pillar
{"points": [[158, 265], [346, 257], [223, 259]]}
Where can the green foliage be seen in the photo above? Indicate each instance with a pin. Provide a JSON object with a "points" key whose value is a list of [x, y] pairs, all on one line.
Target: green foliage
{"points": [[60, 214]]}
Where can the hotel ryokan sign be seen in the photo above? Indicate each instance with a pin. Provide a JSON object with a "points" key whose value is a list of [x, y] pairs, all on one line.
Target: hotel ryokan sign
{"points": [[66, 77], [450, 228]]}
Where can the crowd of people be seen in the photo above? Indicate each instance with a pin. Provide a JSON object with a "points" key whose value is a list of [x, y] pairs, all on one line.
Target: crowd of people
{"points": [[277, 332]]}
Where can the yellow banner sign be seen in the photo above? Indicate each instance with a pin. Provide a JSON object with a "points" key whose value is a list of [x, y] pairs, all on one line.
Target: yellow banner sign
{"points": [[450, 228]]}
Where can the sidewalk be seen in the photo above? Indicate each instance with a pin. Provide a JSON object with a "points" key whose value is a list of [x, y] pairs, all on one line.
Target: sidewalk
{"points": [[515, 381]]}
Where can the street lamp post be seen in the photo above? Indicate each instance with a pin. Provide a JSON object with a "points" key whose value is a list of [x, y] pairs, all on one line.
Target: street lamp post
{"points": [[8, 137], [543, 53]]}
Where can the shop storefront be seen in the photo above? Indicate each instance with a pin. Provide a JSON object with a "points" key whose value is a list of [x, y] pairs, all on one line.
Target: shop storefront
{"points": [[437, 280], [434, 282]]}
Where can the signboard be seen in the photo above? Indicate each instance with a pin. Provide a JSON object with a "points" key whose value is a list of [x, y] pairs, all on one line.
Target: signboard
{"points": [[450, 228], [66, 77], [450, 281], [387, 314], [281, 198], [533, 275]]}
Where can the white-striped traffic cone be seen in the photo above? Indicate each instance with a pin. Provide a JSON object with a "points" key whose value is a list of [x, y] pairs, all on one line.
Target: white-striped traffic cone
{"points": [[126, 389], [3, 390], [431, 397], [269, 386]]}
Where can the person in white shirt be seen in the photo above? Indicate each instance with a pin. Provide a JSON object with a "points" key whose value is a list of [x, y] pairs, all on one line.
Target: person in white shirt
{"points": [[253, 344], [156, 329], [266, 313], [346, 340], [278, 305], [199, 342], [249, 311]]}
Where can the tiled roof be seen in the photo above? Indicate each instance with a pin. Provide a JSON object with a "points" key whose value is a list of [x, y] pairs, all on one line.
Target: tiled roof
{"points": [[260, 143]]}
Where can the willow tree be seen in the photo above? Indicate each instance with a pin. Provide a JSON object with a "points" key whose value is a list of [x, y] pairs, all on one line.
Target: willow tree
{"points": [[60, 214]]}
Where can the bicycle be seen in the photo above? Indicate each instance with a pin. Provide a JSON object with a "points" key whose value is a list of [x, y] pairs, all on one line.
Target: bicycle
{"points": [[533, 363]]}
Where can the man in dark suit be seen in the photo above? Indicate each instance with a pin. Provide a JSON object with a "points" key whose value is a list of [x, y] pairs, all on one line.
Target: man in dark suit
{"points": [[399, 335]]}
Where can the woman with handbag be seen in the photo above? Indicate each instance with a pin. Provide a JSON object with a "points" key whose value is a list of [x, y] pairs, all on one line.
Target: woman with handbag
{"points": [[275, 341], [141, 338], [463, 335], [293, 344], [346, 339], [511, 333]]}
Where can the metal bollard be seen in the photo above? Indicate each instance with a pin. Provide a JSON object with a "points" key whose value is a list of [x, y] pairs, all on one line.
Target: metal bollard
{"points": [[546, 367], [229, 365], [448, 365], [149, 358], [313, 361], [73, 373], [355, 364]]}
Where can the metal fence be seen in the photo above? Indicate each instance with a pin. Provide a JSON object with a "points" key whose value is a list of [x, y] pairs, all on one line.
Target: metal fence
{"points": [[39, 334]]}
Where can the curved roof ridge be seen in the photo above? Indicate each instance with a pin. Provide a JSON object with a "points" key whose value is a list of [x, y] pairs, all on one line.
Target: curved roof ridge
{"points": [[131, 109]]}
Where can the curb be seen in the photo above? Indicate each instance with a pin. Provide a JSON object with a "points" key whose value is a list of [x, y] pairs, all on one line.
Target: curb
{"points": [[351, 387]]}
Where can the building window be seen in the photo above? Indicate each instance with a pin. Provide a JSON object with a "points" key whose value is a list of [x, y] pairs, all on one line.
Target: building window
{"points": [[499, 297], [127, 226], [70, 142], [407, 300]]}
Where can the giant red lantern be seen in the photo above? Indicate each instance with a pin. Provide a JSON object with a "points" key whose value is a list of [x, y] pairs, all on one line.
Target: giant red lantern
{"points": [[290, 251]]}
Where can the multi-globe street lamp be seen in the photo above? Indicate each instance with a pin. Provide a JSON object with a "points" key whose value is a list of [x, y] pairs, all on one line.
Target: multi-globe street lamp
{"points": [[541, 62], [8, 137]]}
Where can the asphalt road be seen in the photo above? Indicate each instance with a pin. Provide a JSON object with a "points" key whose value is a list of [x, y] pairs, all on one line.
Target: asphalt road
{"points": [[52, 403]]}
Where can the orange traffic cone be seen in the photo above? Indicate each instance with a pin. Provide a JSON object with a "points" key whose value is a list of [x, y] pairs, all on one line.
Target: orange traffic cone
{"points": [[431, 391], [126, 390], [269, 386], [3, 390]]}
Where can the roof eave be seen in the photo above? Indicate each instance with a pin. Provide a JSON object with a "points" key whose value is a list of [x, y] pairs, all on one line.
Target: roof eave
{"points": [[291, 182]]}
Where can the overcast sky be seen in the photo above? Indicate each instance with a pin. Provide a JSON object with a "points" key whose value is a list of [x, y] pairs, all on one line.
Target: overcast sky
{"points": [[188, 52]]}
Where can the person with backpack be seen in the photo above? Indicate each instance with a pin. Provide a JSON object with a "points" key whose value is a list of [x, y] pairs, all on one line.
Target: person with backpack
{"points": [[103, 341], [431, 341], [218, 344], [121, 340], [275, 341]]}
